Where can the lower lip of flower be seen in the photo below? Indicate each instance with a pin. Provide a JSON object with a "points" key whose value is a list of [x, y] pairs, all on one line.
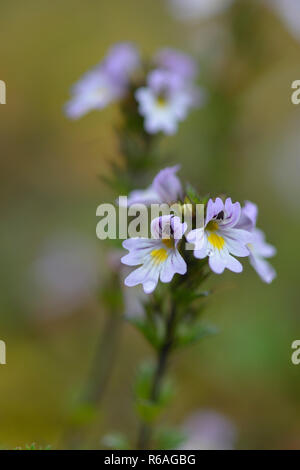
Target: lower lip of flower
{"points": [[159, 256], [216, 240]]}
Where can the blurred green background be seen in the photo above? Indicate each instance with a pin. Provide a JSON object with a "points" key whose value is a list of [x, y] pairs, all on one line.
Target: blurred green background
{"points": [[245, 141]]}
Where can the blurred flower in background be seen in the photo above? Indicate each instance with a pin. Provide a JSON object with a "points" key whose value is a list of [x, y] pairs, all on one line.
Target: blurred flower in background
{"points": [[289, 11], [209, 430], [106, 83], [259, 249], [65, 274], [191, 10], [165, 188], [165, 100]]}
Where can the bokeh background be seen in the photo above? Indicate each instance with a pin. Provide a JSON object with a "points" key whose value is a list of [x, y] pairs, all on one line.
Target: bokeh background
{"points": [[245, 141]]}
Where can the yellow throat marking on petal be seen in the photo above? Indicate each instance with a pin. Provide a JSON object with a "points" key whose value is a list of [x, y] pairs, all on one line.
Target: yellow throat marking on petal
{"points": [[216, 241], [159, 256], [169, 242]]}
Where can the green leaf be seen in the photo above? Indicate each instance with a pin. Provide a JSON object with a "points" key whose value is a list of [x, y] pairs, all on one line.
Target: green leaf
{"points": [[167, 392], [153, 331], [169, 438], [144, 379], [192, 194], [148, 410], [188, 334]]}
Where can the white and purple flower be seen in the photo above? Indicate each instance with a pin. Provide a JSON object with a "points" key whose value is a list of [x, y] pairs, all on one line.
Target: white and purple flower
{"points": [[220, 239], [106, 83], [158, 256], [165, 101], [165, 188], [259, 249]]}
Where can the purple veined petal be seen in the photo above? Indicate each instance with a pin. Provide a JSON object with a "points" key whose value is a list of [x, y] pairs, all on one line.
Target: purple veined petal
{"points": [[174, 264], [213, 208], [236, 247], [168, 185], [232, 213], [138, 248], [135, 257], [242, 236], [137, 243], [178, 228], [161, 227], [147, 275], [263, 268]]}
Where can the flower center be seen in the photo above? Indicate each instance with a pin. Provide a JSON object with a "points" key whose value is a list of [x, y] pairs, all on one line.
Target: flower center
{"points": [[212, 226], [168, 242], [161, 101], [159, 256]]}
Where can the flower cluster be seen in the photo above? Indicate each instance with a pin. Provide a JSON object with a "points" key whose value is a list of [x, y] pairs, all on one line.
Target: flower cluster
{"points": [[164, 95], [229, 231]]}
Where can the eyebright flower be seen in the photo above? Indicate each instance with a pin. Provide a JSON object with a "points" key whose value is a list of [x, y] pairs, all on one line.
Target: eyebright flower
{"points": [[158, 256], [259, 249], [165, 101], [165, 188], [220, 239], [177, 62], [106, 83]]}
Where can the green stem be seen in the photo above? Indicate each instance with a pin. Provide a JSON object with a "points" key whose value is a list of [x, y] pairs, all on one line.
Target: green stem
{"points": [[145, 432]]}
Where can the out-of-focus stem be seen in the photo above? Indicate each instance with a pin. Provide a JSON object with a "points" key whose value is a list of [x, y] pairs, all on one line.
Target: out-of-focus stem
{"points": [[104, 359], [145, 432]]}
